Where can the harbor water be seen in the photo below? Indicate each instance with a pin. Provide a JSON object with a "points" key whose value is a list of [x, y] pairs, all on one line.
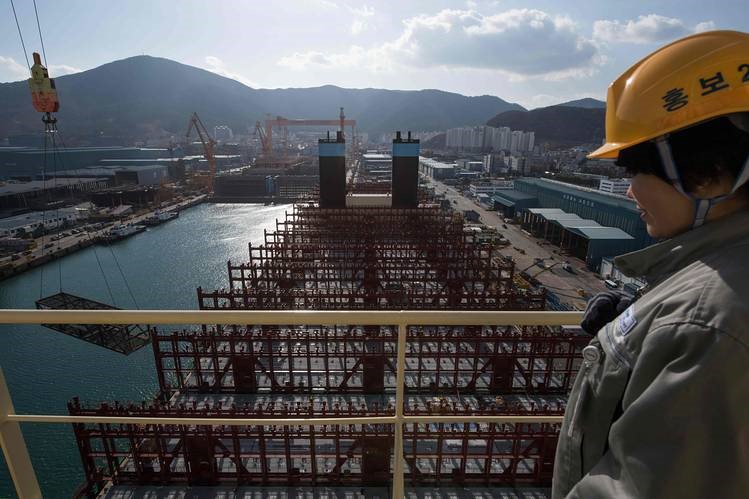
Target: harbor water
{"points": [[162, 267]]}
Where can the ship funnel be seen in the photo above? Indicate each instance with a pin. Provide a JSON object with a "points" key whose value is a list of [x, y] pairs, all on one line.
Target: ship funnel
{"points": [[405, 172], [332, 155]]}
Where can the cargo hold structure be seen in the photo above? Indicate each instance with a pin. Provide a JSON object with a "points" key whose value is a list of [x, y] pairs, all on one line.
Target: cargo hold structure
{"points": [[326, 256]]}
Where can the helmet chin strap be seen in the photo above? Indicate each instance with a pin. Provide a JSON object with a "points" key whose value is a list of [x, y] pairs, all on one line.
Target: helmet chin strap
{"points": [[701, 205]]}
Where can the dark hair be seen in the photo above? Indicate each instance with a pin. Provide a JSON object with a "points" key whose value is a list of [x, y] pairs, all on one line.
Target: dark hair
{"points": [[702, 153]]}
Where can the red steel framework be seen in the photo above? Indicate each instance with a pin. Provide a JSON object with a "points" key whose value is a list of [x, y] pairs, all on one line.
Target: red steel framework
{"points": [[371, 258], [439, 453], [361, 360], [354, 258]]}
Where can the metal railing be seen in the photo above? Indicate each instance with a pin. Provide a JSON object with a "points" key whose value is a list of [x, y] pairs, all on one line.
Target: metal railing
{"points": [[14, 446]]}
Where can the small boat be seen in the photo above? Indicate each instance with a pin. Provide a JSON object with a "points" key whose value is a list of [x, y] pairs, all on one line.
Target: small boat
{"points": [[160, 217], [120, 231]]}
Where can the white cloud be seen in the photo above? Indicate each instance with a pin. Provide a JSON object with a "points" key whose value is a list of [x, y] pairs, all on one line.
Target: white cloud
{"points": [[62, 69], [363, 11], [518, 42], [15, 70], [542, 100], [322, 3], [18, 71], [216, 65], [355, 57], [651, 28], [358, 26], [704, 26]]}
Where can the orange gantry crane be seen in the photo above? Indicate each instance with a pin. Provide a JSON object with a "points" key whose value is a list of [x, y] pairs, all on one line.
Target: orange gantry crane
{"points": [[208, 144], [266, 134]]}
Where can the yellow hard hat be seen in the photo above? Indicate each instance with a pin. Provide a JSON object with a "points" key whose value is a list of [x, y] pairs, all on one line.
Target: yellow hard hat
{"points": [[689, 81]]}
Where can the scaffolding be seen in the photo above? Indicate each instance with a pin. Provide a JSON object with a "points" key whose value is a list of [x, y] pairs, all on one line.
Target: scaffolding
{"points": [[371, 258], [354, 454], [318, 360], [359, 258]]}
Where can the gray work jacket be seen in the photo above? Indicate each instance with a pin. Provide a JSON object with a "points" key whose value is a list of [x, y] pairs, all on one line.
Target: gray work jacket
{"points": [[661, 407]]}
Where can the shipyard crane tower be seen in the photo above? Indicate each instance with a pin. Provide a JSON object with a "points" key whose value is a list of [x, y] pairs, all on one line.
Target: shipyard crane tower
{"points": [[208, 145], [266, 135]]}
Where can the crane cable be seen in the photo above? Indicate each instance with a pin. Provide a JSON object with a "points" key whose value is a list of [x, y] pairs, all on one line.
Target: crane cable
{"points": [[25, 54], [44, 214], [93, 243], [38, 26], [109, 246]]}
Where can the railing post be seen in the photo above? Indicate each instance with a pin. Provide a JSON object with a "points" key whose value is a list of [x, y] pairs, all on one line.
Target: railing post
{"points": [[14, 448], [400, 386]]}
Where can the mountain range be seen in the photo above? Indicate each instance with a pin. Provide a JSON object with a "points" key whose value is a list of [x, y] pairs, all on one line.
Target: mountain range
{"points": [[558, 126], [587, 102], [146, 96]]}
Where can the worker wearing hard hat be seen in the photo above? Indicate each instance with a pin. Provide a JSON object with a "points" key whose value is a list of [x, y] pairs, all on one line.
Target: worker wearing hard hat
{"points": [[660, 408]]}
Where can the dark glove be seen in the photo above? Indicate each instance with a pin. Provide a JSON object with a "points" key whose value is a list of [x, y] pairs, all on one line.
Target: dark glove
{"points": [[603, 308]]}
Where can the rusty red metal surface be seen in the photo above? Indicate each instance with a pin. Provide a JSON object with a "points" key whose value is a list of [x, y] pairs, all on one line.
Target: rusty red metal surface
{"points": [[342, 359], [348, 259], [508, 454]]}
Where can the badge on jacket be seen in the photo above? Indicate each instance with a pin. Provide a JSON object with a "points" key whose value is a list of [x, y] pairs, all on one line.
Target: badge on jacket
{"points": [[627, 320]]}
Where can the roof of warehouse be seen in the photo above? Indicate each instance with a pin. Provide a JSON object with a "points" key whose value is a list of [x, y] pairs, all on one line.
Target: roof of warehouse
{"points": [[12, 188], [555, 217], [35, 217], [433, 162], [584, 192], [575, 224], [513, 195], [600, 233], [544, 211], [108, 170]]}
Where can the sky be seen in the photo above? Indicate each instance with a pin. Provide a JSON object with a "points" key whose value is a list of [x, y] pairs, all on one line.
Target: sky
{"points": [[534, 53]]}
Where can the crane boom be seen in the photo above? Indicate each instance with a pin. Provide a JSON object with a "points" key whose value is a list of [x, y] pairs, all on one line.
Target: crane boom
{"points": [[208, 144], [280, 121]]}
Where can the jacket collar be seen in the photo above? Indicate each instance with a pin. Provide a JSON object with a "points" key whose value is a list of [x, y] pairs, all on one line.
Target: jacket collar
{"points": [[671, 255]]}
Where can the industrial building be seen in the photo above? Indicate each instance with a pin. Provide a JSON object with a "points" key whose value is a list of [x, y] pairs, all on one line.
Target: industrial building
{"points": [[490, 187], [376, 161], [38, 220], [511, 202], [27, 162], [148, 174], [328, 255], [463, 175], [436, 169], [470, 165], [609, 210], [37, 193], [614, 185], [582, 238], [129, 194]]}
